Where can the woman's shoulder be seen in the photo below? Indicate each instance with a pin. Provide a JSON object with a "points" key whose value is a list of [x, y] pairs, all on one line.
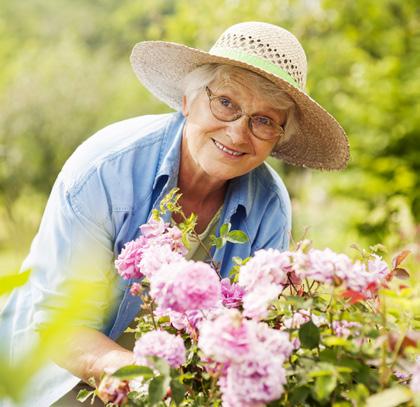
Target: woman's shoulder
{"points": [[117, 145], [270, 192], [269, 183]]}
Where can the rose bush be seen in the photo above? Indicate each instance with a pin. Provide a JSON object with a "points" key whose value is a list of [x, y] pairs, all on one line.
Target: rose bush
{"points": [[301, 327]]}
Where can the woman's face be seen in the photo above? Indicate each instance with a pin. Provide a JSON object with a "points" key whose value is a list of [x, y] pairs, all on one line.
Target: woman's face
{"points": [[225, 150]]}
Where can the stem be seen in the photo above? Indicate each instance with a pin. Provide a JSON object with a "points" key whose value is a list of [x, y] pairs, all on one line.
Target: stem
{"points": [[309, 286], [212, 262], [313, 283], [384, 371], [371, 308], [291, 283], [331, 301], [212, 388], [214, 379], [196, 236], [397, 349], [152, 315]]}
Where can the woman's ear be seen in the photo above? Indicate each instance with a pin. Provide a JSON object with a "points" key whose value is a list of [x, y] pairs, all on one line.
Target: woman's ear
{"points": [[184, 106]]}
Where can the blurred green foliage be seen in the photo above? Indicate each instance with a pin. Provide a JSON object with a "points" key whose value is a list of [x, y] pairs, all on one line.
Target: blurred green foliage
{"points": [[19, 378], [64, 73]]}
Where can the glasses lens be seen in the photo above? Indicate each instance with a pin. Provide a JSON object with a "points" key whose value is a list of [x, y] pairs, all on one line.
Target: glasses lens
{"points": [[224, 109], [263, 127]]}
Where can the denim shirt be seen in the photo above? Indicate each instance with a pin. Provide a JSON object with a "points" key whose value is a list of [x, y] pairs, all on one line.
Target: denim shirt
{"points": [[106, 189]]}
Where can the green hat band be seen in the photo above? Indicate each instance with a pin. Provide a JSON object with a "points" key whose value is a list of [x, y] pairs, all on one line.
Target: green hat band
{"points": [[256, 61]]}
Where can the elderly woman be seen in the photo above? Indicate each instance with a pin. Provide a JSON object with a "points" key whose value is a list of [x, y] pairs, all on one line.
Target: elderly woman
{"points": [[237, 104]]}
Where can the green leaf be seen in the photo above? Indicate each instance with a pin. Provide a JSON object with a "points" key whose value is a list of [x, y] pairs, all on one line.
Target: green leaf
{"points": [[224, 229], [374, 333], [336, 341], [84, 394], [320, 373], [416, 399], [352, 364], [328, 355], [186, 376], [299, 395], [133, 371], [237, 236], [275, 403], [157, 390], [220, 242], [234, 274], [164, 319], [299, 302], [178, 391], [390, 397], [367, 375], [324, 386], [309, 335], [358, 394], [161, 365], [237, 260], [186, 241], [379, 247], [9, 282]]}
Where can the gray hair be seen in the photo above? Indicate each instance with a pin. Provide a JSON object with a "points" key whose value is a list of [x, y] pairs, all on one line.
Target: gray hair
{"points": [[195, 81]]}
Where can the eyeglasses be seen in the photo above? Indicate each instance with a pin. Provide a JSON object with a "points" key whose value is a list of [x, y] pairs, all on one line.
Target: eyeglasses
{"points": [[224, 109]]}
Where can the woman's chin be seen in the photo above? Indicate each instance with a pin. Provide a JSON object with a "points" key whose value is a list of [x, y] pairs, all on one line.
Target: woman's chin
{"points": [[220, 171]]}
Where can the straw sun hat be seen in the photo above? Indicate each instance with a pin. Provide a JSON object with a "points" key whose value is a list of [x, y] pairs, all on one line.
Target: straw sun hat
{"points": [[273, 53]]}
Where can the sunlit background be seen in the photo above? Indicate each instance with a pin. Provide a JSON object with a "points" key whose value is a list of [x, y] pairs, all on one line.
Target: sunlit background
{"points": [[65, 73]]}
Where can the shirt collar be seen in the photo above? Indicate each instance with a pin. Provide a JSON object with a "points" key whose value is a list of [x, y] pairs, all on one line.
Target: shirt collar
{"points": [[238, 194], [170, 154]]}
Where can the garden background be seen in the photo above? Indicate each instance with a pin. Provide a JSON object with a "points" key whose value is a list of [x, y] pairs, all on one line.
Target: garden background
{"points": [[65, 73]]}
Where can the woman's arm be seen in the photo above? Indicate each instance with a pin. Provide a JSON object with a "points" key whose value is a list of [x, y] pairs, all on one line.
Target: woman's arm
{"points": [[89, 353]]}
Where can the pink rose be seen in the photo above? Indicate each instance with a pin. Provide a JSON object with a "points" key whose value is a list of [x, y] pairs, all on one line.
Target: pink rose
{"points": [[232, 294]]}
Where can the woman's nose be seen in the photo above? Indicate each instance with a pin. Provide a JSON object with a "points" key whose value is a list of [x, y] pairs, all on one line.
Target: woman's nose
{"points": [[239, 131]]}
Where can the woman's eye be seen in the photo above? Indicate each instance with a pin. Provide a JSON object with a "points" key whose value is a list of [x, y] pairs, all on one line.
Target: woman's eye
{"points": [[225, 102], [263, 121]]}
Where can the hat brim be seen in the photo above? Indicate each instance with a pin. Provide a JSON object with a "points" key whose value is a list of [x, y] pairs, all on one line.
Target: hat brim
{"points": [[319, 142]]}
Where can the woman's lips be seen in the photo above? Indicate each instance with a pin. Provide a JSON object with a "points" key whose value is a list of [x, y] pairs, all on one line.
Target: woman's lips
{"points": [[227, 150]]}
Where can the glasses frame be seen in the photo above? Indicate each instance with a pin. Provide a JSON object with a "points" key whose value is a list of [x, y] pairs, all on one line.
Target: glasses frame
{"points": [[241, 113]]}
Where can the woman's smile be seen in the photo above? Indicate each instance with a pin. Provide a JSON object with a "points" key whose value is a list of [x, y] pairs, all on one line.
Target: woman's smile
{"points": [[230, 152]]}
